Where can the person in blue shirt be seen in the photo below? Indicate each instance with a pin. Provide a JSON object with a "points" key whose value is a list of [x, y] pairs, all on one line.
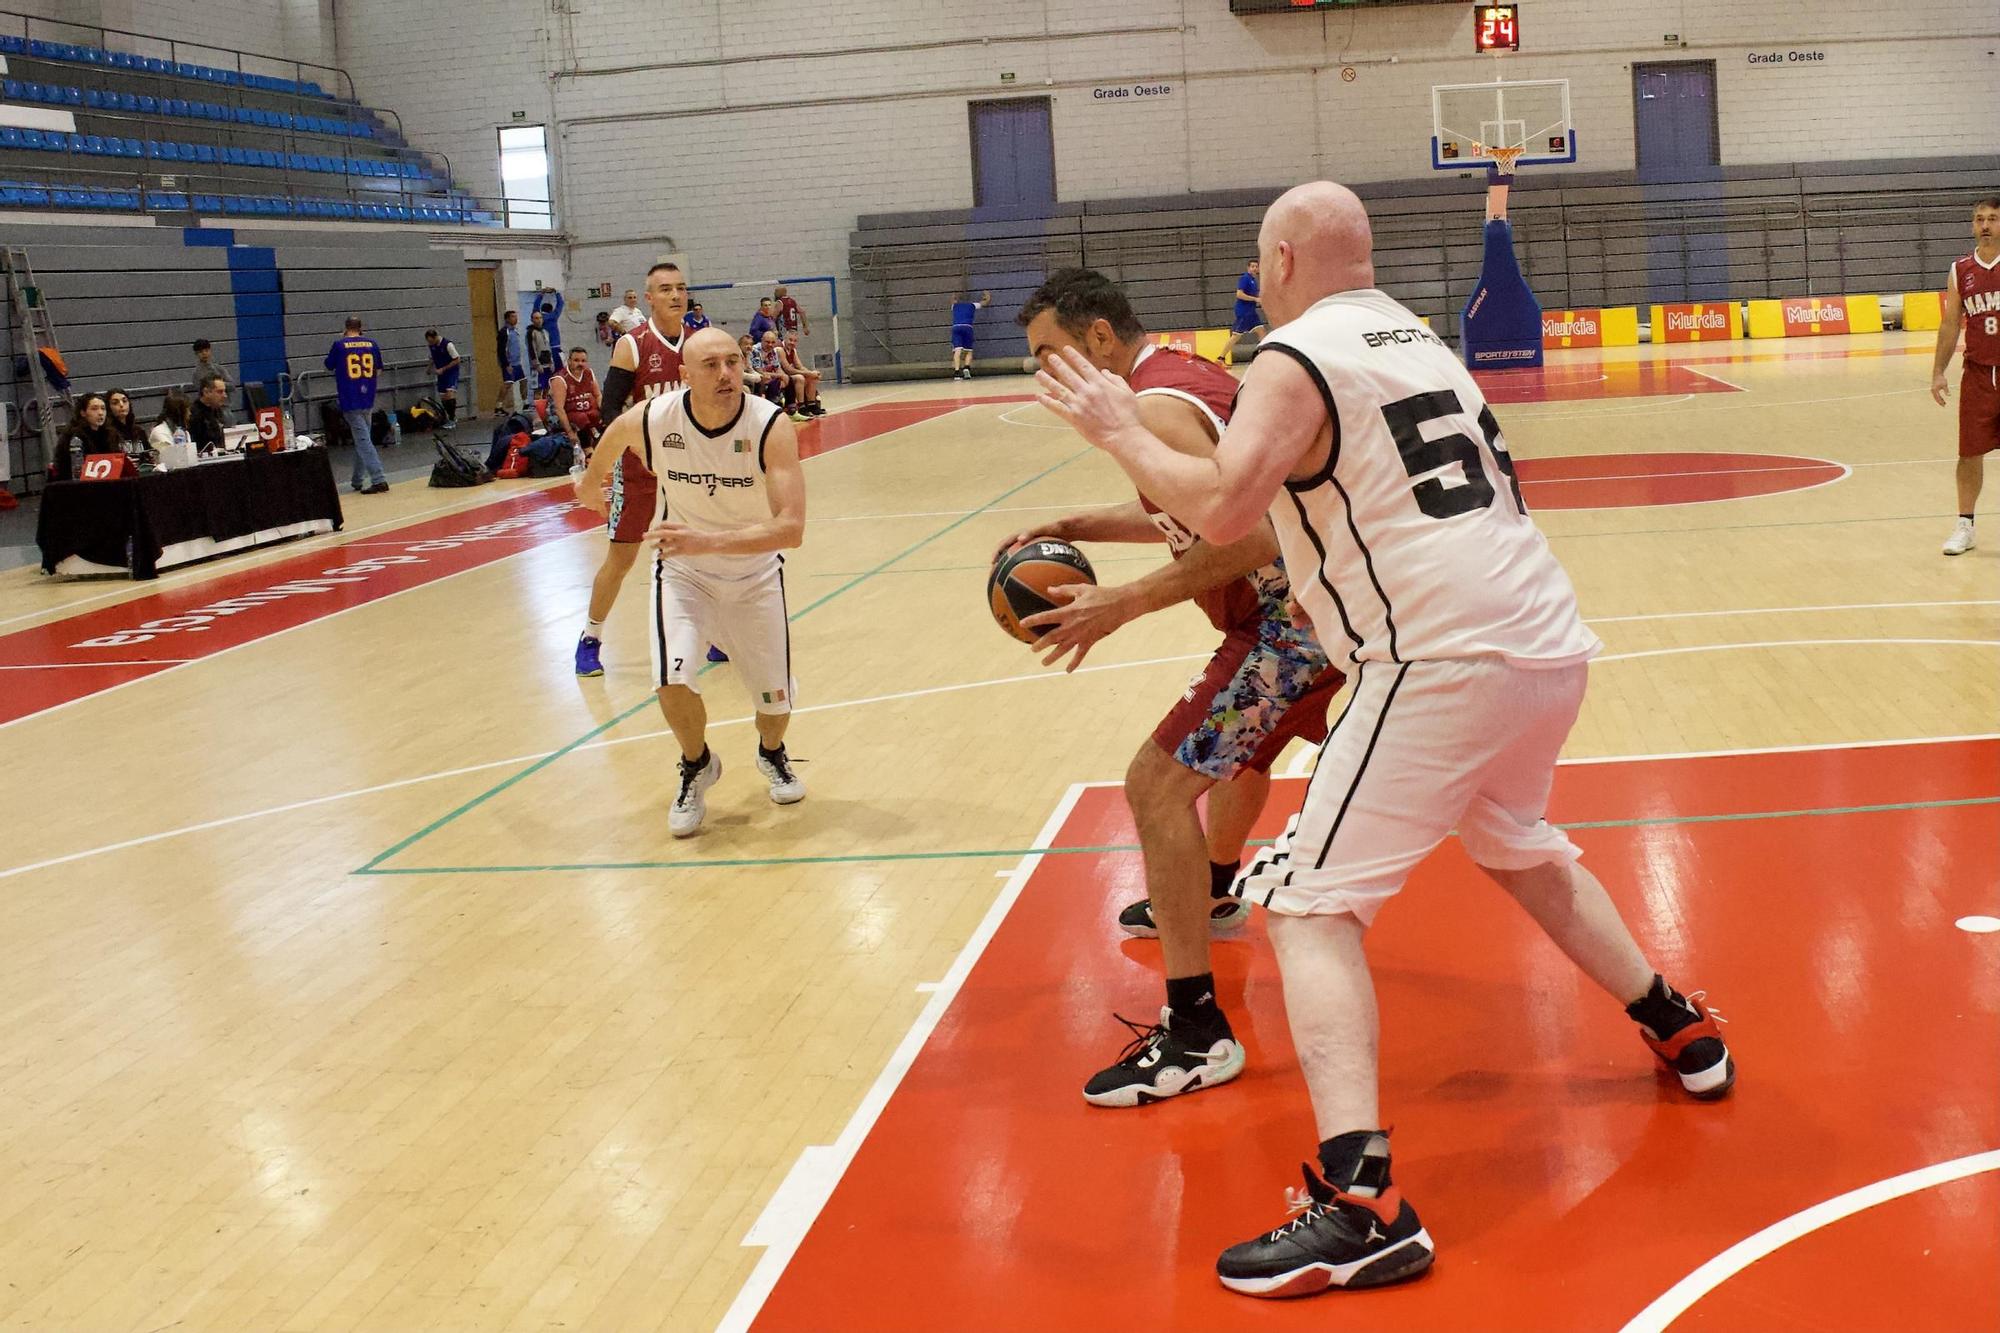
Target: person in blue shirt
{"points": [[694, 321], [762, 322], [444, 361], [1249, 308], [356, 361], [513, 363], [962, 315]]}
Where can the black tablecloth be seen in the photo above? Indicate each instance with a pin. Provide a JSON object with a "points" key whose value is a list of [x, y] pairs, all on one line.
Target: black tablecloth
{"points": [[96, 519]]}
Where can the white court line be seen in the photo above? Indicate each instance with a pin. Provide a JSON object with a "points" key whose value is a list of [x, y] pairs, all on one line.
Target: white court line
{"points": [[1781, 610], [1787, 643], [1008, 417], [1677, 1299], [65, 666], [802, 1205], [1812, 465], [1707, 375], [1811, 748]]}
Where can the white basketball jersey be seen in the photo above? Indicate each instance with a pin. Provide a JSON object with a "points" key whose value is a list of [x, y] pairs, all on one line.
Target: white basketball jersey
{"points": [[711, 480], [1413, 543]]}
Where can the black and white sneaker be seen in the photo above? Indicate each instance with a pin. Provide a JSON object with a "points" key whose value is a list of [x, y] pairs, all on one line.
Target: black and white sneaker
{"points": [[1332, 1239], [690, 804], [1157, 1064], [1226, 916], [1694, 1048], [786, 786]]}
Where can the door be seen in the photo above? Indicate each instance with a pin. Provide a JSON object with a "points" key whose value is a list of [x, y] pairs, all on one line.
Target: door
{"points": [[481, 284], [1674, 121], [1013, 154]]}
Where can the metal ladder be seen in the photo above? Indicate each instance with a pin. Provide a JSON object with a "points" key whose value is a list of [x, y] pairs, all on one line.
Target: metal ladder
{"points": [[31, 315]]}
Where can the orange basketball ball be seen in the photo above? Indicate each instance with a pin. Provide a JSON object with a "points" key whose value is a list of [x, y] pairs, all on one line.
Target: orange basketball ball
{"points": [[1020, 582]]}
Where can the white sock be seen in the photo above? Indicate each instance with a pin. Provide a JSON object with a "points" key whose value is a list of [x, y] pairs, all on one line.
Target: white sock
{"points": [[592, 629]]}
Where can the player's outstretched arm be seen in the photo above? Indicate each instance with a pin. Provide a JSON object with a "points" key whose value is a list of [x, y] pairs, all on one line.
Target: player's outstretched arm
{"points": [[1279, 417], [1128, 522], [1947, 343], [619, 436], [784, 482]]}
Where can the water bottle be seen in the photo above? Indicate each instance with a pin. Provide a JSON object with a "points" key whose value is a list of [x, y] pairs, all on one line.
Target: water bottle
{"points": [[76, 460], [181, 437]]}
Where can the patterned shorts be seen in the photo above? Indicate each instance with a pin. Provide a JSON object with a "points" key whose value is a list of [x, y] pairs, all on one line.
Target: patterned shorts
{"points": [[1258, 692], [634, 492]]}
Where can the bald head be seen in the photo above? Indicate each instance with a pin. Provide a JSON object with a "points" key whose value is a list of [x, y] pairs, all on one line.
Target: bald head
{"points": [[712, 364], [1315, 241]]}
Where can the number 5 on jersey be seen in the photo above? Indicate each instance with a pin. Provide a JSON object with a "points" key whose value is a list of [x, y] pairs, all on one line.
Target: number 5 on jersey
{"points": [[1425, 458]]}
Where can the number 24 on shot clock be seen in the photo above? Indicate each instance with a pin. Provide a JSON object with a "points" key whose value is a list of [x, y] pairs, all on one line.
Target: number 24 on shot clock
{"points": [[1496, 28]]}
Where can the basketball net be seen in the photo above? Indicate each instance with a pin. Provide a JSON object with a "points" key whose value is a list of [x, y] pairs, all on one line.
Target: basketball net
{"points": [[1500, 174]]}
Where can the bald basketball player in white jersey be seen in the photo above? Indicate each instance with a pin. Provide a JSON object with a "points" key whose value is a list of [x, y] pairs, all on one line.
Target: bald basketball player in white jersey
{"points": [[730, 497], [1407, 540]]}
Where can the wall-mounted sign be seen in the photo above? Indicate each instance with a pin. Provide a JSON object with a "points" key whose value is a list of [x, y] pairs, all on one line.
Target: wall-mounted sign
{"points": [[1131, 92], [1801, 56]]}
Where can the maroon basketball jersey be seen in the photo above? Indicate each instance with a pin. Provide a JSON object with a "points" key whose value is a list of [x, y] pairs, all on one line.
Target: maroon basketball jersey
{"points": [[1978, 286], [1241, 603], [659, 369], [580, 397]]}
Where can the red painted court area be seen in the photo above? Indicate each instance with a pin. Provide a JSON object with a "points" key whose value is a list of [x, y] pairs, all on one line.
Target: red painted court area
{"points": [[1586, 382], [72, 658], [1621, 481], [1567, 1182]]}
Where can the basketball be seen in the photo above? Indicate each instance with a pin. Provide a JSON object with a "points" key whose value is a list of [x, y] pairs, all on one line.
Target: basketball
{"points": [[1021, 579]]}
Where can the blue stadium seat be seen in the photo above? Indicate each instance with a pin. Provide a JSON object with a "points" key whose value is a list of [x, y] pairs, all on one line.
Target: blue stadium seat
{"points": [[244, 115], [94, 99], [73, 142], [148, 106], [128, 102], [11, 89], [130, 147], [10, 137], [94, 145], [35, 194], [122, 60], [208, 203], [231, 204], [72, 96], [91, 55], [33, 139], [202, 153], [268, 158], [153, 65], [228, 77], [43, 50], [175, 106], [12, 46], [10, 195]]}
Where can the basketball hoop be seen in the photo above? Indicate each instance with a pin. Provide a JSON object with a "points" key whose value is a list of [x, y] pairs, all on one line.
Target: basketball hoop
{"points": [[1504, 159]]}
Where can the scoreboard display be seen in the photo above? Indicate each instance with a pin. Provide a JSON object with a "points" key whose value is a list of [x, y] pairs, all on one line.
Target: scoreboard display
{"points": [[1321, 6], [1496, 28]]}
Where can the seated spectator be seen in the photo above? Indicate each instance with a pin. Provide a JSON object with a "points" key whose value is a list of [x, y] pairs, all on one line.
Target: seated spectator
{"points": [[764, 321], [121, 422], [173, 417], [755, 379], [206, 364], [209, 416], [607, 335], [771, 361], [694, 321], [809, 379], [573, 402], [85, 435]]}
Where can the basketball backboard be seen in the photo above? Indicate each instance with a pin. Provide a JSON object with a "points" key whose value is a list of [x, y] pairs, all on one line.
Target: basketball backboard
{"points": [[1470, 120]]}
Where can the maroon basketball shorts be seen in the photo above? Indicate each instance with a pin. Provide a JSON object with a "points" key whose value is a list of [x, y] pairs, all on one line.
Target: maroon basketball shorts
{"points": [[1978, 411]]}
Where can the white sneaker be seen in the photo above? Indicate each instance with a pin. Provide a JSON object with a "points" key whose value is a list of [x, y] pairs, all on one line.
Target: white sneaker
{"points": [[1961, 539], [690, 808], [786, 786]]}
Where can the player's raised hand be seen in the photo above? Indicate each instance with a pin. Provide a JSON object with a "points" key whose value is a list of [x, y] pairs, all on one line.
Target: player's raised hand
{"points": [[1940, 390], [1097, 404]]}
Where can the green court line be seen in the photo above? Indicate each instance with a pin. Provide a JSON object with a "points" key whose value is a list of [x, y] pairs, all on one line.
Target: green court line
{"points": [[994, 852], [601, 728]]}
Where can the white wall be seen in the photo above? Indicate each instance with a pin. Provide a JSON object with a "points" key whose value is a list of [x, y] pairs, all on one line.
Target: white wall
{"points": [[688, 123]]}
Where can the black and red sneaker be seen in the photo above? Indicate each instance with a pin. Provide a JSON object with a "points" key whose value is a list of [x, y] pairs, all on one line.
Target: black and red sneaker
{"points": [[1693, 1047], [1332, 1239]]}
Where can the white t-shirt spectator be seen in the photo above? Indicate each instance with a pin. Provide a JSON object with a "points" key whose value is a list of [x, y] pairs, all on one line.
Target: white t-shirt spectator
{"points": [[625, 318]]}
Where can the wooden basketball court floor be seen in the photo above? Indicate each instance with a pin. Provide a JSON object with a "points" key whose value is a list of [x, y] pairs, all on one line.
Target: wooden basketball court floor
{"points": [[350, 979]]}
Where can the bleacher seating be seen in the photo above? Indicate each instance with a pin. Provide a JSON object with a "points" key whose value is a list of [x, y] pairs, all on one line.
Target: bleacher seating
{"points": [[91, 55], [125, 134]]}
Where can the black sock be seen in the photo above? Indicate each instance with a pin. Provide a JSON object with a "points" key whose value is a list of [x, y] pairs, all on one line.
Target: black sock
{"points": [[695, 765], [1356, 1162], [1221, 876], [1967, 517], [773, 753], [1195, 1012], [1661, 1010]]}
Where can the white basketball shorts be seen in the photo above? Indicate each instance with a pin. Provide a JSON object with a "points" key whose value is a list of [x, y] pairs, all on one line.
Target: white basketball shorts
{"points": [[1423, 748], [746, 618]]}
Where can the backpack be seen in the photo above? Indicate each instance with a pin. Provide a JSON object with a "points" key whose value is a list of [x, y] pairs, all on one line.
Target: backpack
{"points": [[550, 456], [504, 431], [454, 467]]}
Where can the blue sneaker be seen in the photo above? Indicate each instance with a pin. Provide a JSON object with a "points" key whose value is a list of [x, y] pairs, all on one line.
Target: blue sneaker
{"points": [[587, 663], [715, 654]]}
